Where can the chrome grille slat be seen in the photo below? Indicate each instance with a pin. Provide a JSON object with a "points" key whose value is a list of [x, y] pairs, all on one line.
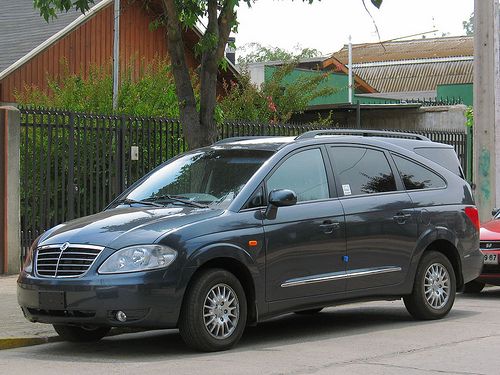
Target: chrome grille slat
{"points": [[72, 260]]}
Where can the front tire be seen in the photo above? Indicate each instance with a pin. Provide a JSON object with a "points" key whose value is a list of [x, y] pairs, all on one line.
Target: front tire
{"points": [[214, 311], [434, 288], [81, 333]]}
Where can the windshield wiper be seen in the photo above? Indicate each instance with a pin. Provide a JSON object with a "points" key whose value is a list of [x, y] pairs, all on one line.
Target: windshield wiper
{"points": [[175, 198], [130, 202]]}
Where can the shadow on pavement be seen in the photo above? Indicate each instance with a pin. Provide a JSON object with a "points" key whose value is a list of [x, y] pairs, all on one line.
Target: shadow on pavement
{"points": [[489, 292], [284, 330]]}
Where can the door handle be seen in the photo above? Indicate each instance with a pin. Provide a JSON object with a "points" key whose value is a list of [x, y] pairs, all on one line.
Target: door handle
{"points": [[401, 218], [328, 226]]}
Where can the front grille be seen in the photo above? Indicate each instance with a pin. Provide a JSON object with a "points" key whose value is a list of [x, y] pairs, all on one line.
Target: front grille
{"points": [[65, 260], [489, 245]]}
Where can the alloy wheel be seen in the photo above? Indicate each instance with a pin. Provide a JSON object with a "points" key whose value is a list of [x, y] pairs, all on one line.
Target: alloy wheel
{"points": [[221, 311], [437, 286]]}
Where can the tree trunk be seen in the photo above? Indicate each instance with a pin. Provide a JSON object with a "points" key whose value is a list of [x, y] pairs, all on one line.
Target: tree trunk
{"points": [[191, 125], [208, 74], [199, 130]]}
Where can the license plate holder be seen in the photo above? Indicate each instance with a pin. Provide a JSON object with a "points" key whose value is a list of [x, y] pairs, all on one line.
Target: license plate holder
{"points": [[51, 300]]}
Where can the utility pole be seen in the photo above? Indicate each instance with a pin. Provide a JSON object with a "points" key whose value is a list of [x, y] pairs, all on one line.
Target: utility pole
{"points": [[116, 52], [349, 75], [486, 128]]}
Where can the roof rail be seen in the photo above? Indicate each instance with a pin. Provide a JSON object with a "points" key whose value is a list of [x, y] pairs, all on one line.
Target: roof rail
{"points": [[364, 133], [235, 139]]}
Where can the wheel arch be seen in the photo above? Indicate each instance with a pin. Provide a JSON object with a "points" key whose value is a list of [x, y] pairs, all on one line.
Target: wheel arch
{"points": [[232, 259], [449, 250], [446, 242]]}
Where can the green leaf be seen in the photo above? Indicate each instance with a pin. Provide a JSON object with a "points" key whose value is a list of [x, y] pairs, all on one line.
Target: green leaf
{"points": [[377, 3]]}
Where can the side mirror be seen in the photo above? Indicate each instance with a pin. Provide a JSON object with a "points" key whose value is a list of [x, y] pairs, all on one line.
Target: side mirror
{"points": [[279, 198]]}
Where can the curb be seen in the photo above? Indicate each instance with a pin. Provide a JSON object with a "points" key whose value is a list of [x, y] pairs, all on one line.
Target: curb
{"points": [[18, 342]]}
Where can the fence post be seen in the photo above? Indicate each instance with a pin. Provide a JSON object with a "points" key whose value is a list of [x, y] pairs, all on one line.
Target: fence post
{"points": [[71, 167], [10, 207], [120, 156]]}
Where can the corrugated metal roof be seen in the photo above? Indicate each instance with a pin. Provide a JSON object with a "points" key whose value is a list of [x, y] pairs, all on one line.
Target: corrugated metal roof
{"points": [[415, 65], [416, 76], [408, 50]]}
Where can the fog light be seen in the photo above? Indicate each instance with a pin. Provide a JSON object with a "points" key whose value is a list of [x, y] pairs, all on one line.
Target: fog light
{"points": [[121, 316]]}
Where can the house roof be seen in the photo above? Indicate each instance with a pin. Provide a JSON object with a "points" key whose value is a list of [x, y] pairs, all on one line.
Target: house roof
{"points": [[23, 29], [360, 83], [415, 65], [12, 56], [417, 75], [408, 50]]}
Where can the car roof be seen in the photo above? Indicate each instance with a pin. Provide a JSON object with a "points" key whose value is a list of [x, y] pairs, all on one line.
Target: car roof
{"points": [[409, 141], [439, 153], [255, 142]]}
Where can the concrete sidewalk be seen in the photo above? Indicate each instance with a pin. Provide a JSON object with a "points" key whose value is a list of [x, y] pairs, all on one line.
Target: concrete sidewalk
{"points": [[15, 330]]}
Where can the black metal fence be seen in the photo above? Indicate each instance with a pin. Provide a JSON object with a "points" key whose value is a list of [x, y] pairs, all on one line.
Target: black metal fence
{"points": [[74, 164]]}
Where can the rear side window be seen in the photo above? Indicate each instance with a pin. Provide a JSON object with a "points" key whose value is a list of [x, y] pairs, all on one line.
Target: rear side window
{"points": [[304, 173], [443, 156], [363, 170], [415, 176]]}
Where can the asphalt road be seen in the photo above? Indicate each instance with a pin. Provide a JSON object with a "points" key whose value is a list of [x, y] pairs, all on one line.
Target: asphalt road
{"points": [[365, 338]]}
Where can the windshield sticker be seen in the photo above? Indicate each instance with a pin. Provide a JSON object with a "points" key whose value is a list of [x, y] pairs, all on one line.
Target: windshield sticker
{"points": [[347, 189]]}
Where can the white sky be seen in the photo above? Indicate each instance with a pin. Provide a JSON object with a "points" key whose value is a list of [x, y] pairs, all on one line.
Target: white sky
{"points": [[326, 25]]}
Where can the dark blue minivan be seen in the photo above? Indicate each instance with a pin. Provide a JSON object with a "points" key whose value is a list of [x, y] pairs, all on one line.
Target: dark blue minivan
{"points": [[249, 228]]}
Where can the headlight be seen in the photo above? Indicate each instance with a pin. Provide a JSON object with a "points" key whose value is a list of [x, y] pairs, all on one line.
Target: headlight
{"points": [[138, 258], [28, 263]]}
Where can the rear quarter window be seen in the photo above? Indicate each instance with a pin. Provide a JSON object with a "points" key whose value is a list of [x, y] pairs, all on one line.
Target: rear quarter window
{"points": [[445, 157], [416, 176]]}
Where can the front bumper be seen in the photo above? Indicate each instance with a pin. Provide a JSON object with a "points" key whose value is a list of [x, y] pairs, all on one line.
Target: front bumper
{"points": [[148, 299]]}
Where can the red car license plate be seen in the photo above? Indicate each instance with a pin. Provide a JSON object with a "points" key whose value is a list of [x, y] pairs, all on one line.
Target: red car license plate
{"points": [[490, 258]]}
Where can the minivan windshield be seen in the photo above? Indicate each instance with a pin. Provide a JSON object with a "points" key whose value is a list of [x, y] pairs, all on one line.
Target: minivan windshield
{"points": [[202, 178]]}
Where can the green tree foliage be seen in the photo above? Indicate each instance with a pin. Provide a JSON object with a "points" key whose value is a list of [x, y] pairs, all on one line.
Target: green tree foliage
{"points": [[256, 52], [468, 26], [275, 100], [199, 121], [147, 89], [469, 114]]}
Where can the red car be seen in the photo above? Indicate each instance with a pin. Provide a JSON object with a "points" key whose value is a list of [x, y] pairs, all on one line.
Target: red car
{"points": [[489, 237]]}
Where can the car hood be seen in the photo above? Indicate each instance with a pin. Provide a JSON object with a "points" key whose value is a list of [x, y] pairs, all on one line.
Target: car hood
{"points": [[490, 230], [121, 227]]}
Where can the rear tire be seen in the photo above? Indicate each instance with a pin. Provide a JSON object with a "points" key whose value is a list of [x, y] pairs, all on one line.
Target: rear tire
{"points": [[214, 311], [434, 288], [81, 333], [473, 287]]}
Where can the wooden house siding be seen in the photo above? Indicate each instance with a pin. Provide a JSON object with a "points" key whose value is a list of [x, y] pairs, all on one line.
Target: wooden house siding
{"points": [[77, 48], [92, 42]]}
